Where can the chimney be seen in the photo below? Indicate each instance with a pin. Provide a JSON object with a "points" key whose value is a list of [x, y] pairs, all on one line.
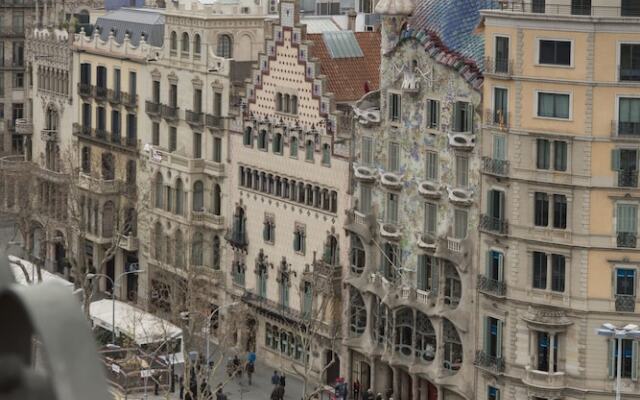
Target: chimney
{"points": [[351, 18]]}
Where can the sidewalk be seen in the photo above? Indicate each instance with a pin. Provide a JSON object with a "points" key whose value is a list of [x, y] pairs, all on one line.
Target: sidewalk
{"points": [[236, 389]]}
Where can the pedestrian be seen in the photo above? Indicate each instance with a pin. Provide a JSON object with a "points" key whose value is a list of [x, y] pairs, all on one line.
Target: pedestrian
{"points": [[356, 389], [220, 395], [251, 357], [275, 378], [250, 370], [237, 367], [277, 393], [282, 380], [181, 388]]}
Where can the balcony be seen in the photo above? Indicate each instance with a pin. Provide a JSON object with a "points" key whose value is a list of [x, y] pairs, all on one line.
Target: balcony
{"points": [[130, 100], [270, 306], [194, 118], [454, 245], [100, 93], [213, 121], [85, 89], [207, 218], [491, 166], [629, 74], [170, 113], [626, 240], [81, 130], [237, 239], [493, 224], [15, 163], [153, 109], [497, 119], [390, 230], [114, 97], [628, 178], [49, 135], [98, 185], [23, 126], [625, 303], [498, 66], [491, 286], [566, 9], [544, 379], [625, 130], [427, 242], [488, 362], [129, 242]]}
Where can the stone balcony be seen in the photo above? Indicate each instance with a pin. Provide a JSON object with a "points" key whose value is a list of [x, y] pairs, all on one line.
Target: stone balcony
{"points": [[363, 225], [544, 379], [170, 113], [129, 242], [207, 218], [213, 121], [49, 135], [272, 307], [23, 127], [194, 118], [186, 164], [98, 185]]}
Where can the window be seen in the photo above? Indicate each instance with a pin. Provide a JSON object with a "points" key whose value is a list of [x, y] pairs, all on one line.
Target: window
{"points": [[86, 160], [327, 8], [630, 8], [554, 52], [629, 364], [247, 136], [493, 337], [629, 116], [539, 270], [293, 147], [557, 272], [224, 46], [217, 199], [462, 171], [394, 157], [217, 104], [185, 44], [432, 165], [395, 107], [159, 191], [460, 224], [626, 224], [197, 100], [155, 133], [463, 117], [553, 105], [430, 218], [493, 393], [269, 231], [559, 155], [217, 149], [559, 211], [115, 124], [546, 352], [625, 282], [389, 261], [278, 101], [132, 85], [307, 300], [495, 265], [541, 209], [630, 60], [502, 55], [367, 151], [284, 288], [309, 148], [18, 80], [581, 7], [433, 114], [392, 208], [299, 240], [173, 95], [197, 46], [179, 193], [198, 196], [365, 199], [543, 147], [262, 140], [197, 255], [197, 145], [495, 206], [277, 143], [132, 128], [101, 119], [173, 40], [173, 138], [357, 255], [326, 154], [358, 313], [500, 106], [425, 278]]}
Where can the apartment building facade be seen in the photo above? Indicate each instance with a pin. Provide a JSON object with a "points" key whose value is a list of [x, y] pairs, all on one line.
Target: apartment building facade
{"points": [[559, 201]]}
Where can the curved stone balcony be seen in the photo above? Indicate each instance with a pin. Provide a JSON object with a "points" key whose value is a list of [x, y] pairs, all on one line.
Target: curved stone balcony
{"points": [[365, 174], [391, 181], [24, 127], [544, 379], [462, 141], [460, 197], [429, 190]]}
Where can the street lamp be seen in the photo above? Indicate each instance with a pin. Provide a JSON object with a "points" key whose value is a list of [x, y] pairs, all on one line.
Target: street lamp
{"points": [[114, 284], [185, 315], [630, 331]]}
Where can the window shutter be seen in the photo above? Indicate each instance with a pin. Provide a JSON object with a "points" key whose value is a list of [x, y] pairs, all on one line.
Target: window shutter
{"points": [[490, 202], [487, 264], [634, 360], [497, 394], [421, 272], [499, 340], [429, 106], [611, 359], [615, 159], [500, 204], [434, 277], [470, 117], [437, 107], [501, 267], [487, 334]]}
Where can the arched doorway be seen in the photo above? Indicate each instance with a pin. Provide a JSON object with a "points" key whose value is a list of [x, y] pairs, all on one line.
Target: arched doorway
{"points": [[333, 372]]}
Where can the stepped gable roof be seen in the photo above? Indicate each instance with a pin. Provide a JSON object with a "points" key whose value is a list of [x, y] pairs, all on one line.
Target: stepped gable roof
{"points": [[135, 22], [446, 30], [346, 76]]}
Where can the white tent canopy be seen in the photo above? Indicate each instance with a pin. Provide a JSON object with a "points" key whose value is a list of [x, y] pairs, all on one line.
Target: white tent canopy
{"points": [[139, 325], [32, 272]]}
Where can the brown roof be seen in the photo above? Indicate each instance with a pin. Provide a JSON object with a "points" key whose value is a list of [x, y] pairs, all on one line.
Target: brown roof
{"points": [[346, 77]]}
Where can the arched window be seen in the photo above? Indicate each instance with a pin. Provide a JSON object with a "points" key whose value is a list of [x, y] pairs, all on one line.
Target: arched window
{"points": [[293, 147], [185, 44], [108, 219], [331, 251], [196, 249], [277, 143], [198, 196], [262, 140], [357, 255], [173, 42], [157, 241], [108, 167], [225, 46], [52, 119], [309, 148], [452, 285], [381, 323], [197, 46], [452, 346], [215, 253], [216, 199], [159, 189], [294, 104], [404, 331], [286, 103], [179, 249], [326, 154], [425, 347], [278, 101], [247, 137], [239, 228], [130, 222], [86, 159], [357, 313], [179, 197]]}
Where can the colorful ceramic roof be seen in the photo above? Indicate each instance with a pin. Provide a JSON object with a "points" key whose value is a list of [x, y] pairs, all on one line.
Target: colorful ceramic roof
{"points": [[347, 77]]}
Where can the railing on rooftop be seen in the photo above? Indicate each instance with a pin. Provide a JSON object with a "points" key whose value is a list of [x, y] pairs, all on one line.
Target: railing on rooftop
{"points": [[543, 7]]}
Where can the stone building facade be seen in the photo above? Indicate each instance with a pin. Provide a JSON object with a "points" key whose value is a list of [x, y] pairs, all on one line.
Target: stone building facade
{"points": [[559, 200]]}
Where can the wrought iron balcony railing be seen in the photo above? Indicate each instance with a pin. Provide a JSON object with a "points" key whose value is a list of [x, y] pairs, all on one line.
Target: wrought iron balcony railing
{"points": [[627, 239], [492, 286], [194, 118], [487, 361], [499, 65], [625, 303], [493, 224], [628, 178], [495, 167]]}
